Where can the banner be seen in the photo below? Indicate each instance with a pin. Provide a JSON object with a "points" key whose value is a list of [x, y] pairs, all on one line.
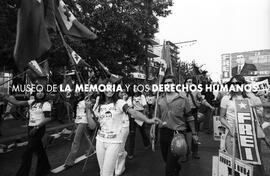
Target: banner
{"points": [[246, 132], [262, 85], [225, 166]]}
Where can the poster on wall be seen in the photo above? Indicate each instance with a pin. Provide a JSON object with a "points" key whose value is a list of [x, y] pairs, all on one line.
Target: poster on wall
{"points": [[250, 64]]}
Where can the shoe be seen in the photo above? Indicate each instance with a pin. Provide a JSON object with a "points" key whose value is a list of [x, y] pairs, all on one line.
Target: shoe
{"points": [[185, 159], [195, 156], [130, 157], [147, 147], [68, 166]]}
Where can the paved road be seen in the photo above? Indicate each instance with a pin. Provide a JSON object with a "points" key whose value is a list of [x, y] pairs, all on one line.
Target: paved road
{"points": [[145, 163]]}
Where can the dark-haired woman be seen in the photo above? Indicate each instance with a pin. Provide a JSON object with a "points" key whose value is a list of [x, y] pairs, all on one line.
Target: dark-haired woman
{"points": [[110, 112], [228, 117], [39, 116]]}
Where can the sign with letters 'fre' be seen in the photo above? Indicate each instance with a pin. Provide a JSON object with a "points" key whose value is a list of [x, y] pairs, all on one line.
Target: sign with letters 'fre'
{"points": [[246, 132]]}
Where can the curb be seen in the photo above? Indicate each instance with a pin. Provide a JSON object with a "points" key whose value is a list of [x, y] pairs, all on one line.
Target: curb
{"points": [[10, 143]]}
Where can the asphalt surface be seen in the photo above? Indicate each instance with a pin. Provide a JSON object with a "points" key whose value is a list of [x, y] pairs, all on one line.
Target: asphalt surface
{"points": [[145, 162]]}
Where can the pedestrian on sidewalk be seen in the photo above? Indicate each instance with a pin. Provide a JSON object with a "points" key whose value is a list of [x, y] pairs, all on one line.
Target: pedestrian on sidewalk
{"points": [[138, 103], [110, 112], [39, 116], [83, 119], [174, 110]]}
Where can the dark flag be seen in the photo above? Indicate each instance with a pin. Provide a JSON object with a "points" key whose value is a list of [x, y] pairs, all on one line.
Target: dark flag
{"points": [[76, 59], [68, 23], [166, 55], [32, 38], [114, 78]]}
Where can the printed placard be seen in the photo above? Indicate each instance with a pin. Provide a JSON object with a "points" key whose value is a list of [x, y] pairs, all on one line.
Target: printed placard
{"points": [[225, 166], [217, 128], [246, 132]]}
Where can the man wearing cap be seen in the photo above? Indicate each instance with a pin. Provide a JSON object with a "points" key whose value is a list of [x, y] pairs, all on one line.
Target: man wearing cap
{"points": [[174, 110]]}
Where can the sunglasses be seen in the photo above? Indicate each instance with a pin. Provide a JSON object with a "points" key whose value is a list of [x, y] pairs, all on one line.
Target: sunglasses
{"points": [[168, 82]]}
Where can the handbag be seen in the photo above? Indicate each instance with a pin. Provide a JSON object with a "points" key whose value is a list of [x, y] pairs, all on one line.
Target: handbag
{"points": [[178, 144]]}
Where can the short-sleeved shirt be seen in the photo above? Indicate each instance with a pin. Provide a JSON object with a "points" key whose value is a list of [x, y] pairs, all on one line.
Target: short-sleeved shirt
{"points": [[175, 113], [110, 117], [150, 100], [228, 104], [81, 113], [36, 112]]}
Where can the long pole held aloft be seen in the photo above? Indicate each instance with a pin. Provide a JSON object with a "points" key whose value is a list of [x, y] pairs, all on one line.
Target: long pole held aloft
{"points": [[65, 45], [153, 127]]}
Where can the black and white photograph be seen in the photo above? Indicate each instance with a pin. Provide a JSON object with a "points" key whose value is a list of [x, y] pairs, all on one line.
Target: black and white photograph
{"points": [[135, 87]]}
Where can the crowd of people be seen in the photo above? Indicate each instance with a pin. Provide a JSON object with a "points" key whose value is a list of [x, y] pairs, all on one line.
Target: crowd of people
{"points": [[115, 117]]}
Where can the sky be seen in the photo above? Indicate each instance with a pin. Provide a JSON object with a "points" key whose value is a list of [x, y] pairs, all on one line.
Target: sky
{"points": [[219, 26]]}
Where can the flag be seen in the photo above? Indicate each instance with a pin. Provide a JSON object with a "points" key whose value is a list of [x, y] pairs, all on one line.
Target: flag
{"points": [[104, 68], [35, 67], [76, 59], [45, 67], [32, 38], [166, 55], [49, 11], [114, 78], [68, 23]]}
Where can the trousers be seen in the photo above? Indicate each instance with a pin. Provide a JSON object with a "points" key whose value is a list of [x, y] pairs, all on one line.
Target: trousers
{"points": [[107, 154], [172, 167], [132, 134], [80, 131], [35, 146], [121, 159]]}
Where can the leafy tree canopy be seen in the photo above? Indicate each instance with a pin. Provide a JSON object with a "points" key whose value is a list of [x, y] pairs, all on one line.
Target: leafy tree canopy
{"points": [[123, 28]]}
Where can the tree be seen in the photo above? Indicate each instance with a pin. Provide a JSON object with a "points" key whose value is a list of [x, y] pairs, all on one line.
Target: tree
{"points": [[121, 26], [186, 69]]}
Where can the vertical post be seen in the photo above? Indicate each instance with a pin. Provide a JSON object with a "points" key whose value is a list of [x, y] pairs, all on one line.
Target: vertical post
{"points": [[234, 150], [148, 12]]}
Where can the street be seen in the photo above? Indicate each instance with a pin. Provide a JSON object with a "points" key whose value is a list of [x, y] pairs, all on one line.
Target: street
{"points": [[144, 163]]}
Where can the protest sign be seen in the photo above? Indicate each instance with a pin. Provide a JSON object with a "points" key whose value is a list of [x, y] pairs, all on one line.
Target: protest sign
{"points": [[246, 132], [225, 166]]}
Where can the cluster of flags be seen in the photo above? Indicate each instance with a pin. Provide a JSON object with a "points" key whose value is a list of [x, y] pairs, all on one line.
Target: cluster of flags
{"points": [[35, 17]]}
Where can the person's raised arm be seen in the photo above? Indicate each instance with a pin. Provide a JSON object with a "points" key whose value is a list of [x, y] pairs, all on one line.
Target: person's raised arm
{"points": [[13, 101]]}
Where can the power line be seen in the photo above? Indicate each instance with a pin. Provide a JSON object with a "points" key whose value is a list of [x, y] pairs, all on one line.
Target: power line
{"points": [[179, 43]]}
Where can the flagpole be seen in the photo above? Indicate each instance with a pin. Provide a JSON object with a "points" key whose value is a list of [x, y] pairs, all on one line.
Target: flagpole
{"points": [[18, 75], [65, 45], [155, 114]]}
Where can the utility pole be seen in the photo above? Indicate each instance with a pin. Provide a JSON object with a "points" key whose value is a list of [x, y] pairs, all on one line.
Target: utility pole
{"points": [[148, 12]]}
